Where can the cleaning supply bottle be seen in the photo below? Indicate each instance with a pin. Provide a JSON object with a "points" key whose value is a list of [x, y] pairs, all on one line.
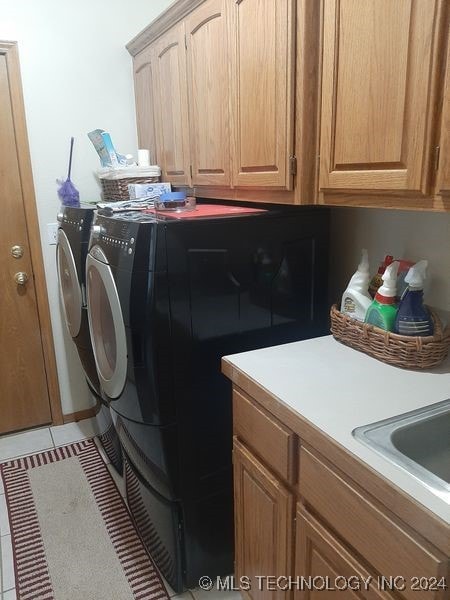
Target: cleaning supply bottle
{"points": [[383, 310], [413, 318], [377, 279], [356, 299]]}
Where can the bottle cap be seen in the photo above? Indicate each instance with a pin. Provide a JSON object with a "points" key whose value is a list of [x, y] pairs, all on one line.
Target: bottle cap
{"points": [[416, 275], [389, 287], [364, 264]]}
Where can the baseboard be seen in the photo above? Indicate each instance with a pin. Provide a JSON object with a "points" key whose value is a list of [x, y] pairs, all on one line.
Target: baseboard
{"points": [[87, 413]]}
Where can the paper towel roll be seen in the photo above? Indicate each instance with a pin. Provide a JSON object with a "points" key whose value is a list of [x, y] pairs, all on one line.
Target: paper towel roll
{"points": [[144, 158]]}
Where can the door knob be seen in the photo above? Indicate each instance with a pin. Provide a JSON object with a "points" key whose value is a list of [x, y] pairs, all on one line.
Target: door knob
{"points": [[21, 278]]}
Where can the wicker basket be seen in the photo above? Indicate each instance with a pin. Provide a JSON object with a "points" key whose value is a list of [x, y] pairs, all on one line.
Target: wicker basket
{"points": [[399, 350], [117, 189]]}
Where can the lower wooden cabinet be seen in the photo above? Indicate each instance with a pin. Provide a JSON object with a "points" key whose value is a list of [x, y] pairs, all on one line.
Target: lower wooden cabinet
{"points": [[327, 567], [263, 524], [340, 540]]}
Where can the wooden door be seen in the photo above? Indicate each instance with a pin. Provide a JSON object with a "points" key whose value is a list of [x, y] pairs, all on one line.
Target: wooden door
{"points": [[209, 91], [171, 106], [262, 93], [143, 91], [25, 349], [263, 524], [320, 555], [377, 80], [443, 177]]}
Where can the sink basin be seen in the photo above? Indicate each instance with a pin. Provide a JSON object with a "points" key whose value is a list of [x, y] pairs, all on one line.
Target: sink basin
{"points": [[417, 441]]}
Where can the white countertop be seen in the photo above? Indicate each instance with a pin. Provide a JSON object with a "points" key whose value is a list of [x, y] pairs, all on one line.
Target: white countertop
{"points": [[338, 389]]}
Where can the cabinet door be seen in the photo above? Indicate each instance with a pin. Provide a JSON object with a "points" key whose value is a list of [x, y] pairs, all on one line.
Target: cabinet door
{"points": [[320, 555], [143, 91], [376, 84], [262, 56], [443, 179], [209, 89], [263, 524], [171, 106]]}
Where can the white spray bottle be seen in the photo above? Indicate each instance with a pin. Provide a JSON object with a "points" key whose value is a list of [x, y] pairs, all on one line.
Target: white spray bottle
{"points": [[356, 298]]}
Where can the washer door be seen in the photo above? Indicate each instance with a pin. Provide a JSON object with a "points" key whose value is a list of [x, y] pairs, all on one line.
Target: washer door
{"points": [[69, 285], [106, 324]]}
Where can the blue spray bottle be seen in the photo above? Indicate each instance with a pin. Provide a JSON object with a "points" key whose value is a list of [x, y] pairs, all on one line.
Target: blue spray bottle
{"points": [[413, 318]]}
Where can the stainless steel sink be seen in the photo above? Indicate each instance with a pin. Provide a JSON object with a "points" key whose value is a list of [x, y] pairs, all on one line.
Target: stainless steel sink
{"points": [[418, 442]]}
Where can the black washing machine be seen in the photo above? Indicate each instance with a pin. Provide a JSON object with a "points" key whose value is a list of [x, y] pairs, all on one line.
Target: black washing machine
{"points": [[168, 297], [71, 252]]}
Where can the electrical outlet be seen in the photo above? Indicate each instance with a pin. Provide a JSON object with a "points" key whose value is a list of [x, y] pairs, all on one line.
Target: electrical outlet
{"points": [[52, 233]]}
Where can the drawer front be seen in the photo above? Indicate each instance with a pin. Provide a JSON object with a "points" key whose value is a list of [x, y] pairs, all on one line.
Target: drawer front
{"points": [[275, 443], [375, 536]]}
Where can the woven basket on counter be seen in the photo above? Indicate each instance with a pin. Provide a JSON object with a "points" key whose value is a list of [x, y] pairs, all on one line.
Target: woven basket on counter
{"points": [[117, 189], [409, 352]]}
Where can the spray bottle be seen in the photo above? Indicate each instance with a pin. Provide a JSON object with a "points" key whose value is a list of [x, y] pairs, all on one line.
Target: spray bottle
{"points": [[383, 310], [377, 280], [356, 299], [413, 318]]}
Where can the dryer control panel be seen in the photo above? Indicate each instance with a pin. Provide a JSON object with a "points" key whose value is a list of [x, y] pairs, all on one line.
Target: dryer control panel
{"points": [[76, 221], [126, 239]]}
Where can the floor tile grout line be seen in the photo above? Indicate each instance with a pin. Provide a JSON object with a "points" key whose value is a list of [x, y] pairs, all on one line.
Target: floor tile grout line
{"points": [[51, 435]]}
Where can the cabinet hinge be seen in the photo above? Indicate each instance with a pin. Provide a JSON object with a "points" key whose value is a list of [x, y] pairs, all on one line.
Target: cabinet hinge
{"points": [[437, 154], [292, 165]]}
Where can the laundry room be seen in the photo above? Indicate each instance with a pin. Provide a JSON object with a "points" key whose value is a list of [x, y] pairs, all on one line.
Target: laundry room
{"points": [[225, 323]]}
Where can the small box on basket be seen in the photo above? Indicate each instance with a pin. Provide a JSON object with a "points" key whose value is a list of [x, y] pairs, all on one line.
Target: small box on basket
{"points": [[148, 190]]}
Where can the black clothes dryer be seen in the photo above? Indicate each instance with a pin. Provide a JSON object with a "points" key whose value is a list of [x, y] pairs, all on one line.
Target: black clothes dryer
{"points": [[71, 252], [168, 297]]}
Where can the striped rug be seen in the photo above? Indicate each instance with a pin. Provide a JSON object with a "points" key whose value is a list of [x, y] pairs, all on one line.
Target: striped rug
{"points": [[71, 531]]}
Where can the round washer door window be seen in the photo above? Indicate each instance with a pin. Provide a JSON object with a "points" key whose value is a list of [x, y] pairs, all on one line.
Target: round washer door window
{"points": [[106, 324], [69, 286]]}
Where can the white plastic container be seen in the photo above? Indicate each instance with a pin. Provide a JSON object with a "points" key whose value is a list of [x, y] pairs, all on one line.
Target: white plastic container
{"points": [[356, 298]]}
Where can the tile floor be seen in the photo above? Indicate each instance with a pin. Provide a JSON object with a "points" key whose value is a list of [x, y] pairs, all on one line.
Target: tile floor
{"points": [[38, 440]]}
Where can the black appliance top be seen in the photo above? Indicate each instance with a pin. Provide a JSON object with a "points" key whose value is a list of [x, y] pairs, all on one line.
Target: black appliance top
{"points": [[134, 240]]}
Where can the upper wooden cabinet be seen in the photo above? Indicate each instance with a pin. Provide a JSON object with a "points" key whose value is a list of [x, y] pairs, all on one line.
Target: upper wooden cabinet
{"points": [[171, 105], [209, 90], [223, 75], [333, 102], [376, 86], [262, 60], [443, 177], [143, 90]]}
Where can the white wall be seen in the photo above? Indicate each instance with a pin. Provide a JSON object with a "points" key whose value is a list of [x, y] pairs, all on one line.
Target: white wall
{"points": [[404, 234], [76, 76]]}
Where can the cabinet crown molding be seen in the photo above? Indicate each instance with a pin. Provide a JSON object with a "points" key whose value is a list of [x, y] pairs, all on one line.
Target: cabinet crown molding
{"points": [[172, 15]]}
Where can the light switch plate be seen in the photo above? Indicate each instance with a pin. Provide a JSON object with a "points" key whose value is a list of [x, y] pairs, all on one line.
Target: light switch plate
{"points": [[52, 233]]}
